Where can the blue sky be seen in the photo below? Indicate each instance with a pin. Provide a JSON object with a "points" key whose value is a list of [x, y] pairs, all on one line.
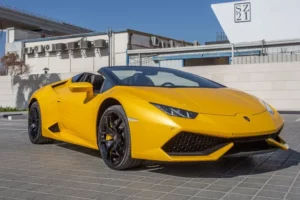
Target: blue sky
{"points": [[188, 20]]}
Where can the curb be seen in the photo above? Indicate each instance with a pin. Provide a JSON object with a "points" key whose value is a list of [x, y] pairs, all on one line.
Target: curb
{"points": [[14, 115]]}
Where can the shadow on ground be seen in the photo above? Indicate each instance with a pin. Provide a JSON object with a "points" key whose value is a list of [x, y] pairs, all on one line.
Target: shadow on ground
{"points": [[225, 168]]}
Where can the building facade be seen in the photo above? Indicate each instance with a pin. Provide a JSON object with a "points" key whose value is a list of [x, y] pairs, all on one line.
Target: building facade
{"points": [[82, 52]]}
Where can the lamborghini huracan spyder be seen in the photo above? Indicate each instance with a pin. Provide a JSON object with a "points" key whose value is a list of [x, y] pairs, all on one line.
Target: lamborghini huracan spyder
{"points": [[134, 113]]}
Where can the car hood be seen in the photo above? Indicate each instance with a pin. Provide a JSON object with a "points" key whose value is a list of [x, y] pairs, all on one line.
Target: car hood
{"points": [[218, 101]]}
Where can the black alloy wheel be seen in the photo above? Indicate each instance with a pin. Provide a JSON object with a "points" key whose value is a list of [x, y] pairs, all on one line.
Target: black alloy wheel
{"points": [[114, 139], [34, 125]]}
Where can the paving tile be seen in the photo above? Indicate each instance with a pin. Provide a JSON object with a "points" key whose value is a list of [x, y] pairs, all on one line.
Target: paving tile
{"points": [[218, 188], [49, 197], [297, 184], [162, 188], [151, 180], [27, 170], [137, 198], [292, 196], [46, 189], [277, 188], [43, 181], [150, 194], [10, 193], [65, 191], [195, 185], [247, 191], [295, 190], [256, 180], [139, 185], [106, 188], [130, 178], [172, 182], [9, 184], [271, 194], [250, 185], [30, 195], [226, 182], [119, 183], [88, 194], [112, 197], [174, 197], [185, 191], [27, 186], [211, 194], [262, 198], [200, 198], [127, 191], [231, 196]]}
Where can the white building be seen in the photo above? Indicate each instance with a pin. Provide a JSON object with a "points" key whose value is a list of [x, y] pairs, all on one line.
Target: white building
{"points": [[257, 31], [81, 52]]}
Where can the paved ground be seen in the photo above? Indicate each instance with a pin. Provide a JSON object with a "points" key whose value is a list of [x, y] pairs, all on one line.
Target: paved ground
{"points": [[63, 171]]}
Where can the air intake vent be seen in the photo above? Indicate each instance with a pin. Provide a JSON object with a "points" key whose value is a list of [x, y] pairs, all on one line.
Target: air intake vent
{"points": [[54, 128]]}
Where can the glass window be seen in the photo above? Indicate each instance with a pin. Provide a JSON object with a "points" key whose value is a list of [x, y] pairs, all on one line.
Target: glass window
{"points": [[157, 77], [76, 78]]}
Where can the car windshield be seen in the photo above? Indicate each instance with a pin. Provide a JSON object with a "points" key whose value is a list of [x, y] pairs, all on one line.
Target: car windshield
{"points": [[157, 77]]}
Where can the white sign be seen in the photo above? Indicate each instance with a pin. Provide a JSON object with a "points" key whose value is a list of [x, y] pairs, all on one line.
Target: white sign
{"points": [[242, 12]]}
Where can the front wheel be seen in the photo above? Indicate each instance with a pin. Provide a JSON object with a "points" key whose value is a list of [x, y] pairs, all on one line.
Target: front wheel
{"points": [[35, 125], [114, 139]]}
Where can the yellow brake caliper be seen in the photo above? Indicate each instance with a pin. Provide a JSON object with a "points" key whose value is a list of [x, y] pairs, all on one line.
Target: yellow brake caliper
{"points": [[108, 137]]}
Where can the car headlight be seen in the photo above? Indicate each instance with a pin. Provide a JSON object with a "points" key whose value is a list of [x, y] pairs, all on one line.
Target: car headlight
{"points": [[177, 112], [270, 110]]}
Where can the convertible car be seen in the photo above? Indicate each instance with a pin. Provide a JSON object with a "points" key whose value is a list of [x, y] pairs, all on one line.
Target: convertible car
{"points": [[136, 113]]}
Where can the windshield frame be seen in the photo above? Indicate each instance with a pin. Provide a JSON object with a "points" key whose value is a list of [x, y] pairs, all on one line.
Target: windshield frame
{"points": [[108, 73]]}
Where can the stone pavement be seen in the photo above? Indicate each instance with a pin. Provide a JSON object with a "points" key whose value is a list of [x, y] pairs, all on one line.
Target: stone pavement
{"points": [[65, 171]]}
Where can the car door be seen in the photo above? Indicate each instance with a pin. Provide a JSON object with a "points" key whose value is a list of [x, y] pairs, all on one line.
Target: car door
{"points": [[77, 113]]}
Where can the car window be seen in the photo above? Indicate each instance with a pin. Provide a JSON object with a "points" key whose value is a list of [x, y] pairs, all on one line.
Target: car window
{"points": [[106, 86], [76, 78]]}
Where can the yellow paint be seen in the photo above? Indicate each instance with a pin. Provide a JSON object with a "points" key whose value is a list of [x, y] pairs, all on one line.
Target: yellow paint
{"points": [[221, 113], [108, 137]]}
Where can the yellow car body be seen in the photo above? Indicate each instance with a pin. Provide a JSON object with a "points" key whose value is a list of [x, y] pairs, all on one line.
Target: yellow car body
{"points": [[225, 117]]}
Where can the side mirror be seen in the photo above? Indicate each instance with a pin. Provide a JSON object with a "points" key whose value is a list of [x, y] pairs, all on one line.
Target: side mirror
{"points": [[81, 87]]}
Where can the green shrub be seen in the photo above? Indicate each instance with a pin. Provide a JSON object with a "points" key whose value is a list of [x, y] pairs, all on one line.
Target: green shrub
{"points": [[10, 109]]}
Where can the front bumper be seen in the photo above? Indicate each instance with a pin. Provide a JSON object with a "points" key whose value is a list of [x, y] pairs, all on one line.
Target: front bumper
{"points": [[206, 138]]}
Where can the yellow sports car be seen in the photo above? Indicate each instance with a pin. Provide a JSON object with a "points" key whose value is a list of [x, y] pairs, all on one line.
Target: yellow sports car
{"points": [[132, 113]]}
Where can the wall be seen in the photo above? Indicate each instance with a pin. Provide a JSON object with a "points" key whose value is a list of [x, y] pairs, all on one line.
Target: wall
{"points": [[271, 17], [15, 91], [277, 84]]}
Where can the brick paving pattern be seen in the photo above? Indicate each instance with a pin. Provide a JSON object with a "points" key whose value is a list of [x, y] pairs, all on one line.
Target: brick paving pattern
{"points": [[68, 172]]}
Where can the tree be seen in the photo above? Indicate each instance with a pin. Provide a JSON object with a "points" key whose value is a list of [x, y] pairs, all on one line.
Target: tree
{"points": [[14, 65]]}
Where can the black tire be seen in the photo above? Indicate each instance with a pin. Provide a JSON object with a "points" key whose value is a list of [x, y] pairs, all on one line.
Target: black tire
{"points": [[124, 161], [34, 125]]}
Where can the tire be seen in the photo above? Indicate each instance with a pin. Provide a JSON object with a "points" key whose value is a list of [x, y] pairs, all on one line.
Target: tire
{"points": [[124, 161], [34, 126]]}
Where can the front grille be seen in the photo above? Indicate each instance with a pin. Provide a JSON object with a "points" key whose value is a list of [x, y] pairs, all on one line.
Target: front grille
{"points": [[186, 143]]}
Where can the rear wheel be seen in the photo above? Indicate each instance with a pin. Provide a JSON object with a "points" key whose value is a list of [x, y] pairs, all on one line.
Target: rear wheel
{"points": [[114, 139], [34, 125]]}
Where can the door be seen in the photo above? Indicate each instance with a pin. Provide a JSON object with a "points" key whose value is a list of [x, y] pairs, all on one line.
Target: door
{"points": [[78, 110]]}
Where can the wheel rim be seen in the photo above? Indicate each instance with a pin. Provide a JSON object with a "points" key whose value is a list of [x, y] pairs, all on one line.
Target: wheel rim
{"points": [[112, 138], [34, 120]]}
